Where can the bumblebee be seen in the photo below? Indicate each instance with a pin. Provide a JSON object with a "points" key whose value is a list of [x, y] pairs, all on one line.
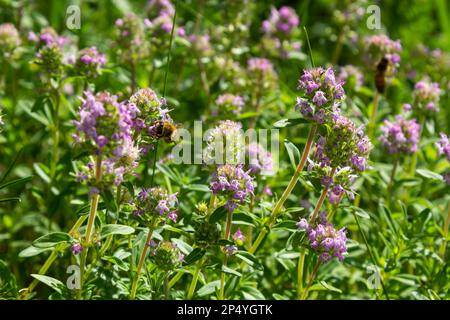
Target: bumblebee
{"points": [[380, 76], [166, 130]]}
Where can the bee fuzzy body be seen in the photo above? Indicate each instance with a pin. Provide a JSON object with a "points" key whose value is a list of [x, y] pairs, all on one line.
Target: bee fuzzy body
{"points": [[380, 76]]}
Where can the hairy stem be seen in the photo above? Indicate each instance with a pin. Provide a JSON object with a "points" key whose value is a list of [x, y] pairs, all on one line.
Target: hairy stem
{"points": [[311, 279], [277, 209], [225, 258], [301, 263], [141, 262], [193, 284]]}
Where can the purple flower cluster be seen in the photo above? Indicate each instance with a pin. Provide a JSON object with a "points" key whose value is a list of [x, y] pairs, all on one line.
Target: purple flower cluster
{"points": [[104, 128], [233, 183], [229, 250], [282, 21], [260, 66], [76, 248], [260, 74], [49, 56], [230, 103], [344, 145], [350, 74], [379, 46], [104, 124], [9, 39], [48, 38], [323, 95], [325, 240], [339, 157], [400, 136], [239, 237], [155, 203], [90, 61], [259, 159], [161, 14], [426, 96], [443, 146], [279, 32], [152, 111]]}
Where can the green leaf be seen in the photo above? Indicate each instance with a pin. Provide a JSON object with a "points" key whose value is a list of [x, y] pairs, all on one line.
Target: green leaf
{"points": [[51, 239], [330, 287], [13, 182], [32, 251], [429, 174], [194, 256], [208, 288], [251, 293], [11, 166], [288, 224], [167, 172], [10, 199], [109, 229], [231, 271], [293, 152], [277, 296], [249, 259], [288, 255], [41, 173], [53, 283], [117, 262], [183, 246], [198, 187], [289, 122], [219, 214]]}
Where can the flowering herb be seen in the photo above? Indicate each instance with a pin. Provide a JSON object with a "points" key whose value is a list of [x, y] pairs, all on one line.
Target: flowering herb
{"points": [[233, 183], [322, 95], [89, 62], [400, 136], [325, 240]]}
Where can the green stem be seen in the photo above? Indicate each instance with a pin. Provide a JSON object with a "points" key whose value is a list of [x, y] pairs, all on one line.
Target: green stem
{"points": [[225, 258], [94, 203], [277, 209], [55, 137], [90, 225], [175, 278], [169, 50], [373, 115], [166, 287], [141, 262], [194, 280], [301, 263], [311, 279], [444, 240], [391, 182]]}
